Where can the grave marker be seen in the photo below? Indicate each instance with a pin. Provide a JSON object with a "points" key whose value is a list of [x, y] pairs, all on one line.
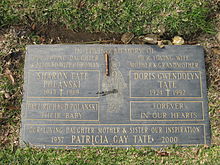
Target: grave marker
{"points": [[114, 95]]}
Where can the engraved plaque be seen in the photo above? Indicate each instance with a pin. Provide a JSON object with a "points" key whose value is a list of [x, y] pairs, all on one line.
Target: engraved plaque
{"points": [[140, 96]]}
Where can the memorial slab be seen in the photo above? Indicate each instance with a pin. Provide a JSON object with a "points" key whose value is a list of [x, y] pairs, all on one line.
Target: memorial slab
{"points": [[114, 95]]}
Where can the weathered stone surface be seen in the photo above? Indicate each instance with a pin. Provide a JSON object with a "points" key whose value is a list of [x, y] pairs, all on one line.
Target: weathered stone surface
{"points": [[152, 96]]}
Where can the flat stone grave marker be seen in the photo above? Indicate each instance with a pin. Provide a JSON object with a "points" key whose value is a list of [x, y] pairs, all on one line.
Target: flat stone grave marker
{"points": [[114, 95]]}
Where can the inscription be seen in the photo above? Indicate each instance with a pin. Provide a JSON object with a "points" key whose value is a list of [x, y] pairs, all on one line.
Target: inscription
{"points": [[142, 96], [166, 110], [113, 50], [65, 65], [64, 83], [111, 135], [164, 61], [82, 111], [165, 84]]}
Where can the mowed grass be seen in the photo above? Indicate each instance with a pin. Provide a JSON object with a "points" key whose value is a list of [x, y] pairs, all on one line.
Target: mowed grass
{"points": [[173, 155], [12, 57], [166, 17]]}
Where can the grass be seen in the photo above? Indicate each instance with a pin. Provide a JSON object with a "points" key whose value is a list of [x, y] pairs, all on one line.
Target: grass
{"points": [[12, 57], [164, 17], [169, 17], [199, 155]]}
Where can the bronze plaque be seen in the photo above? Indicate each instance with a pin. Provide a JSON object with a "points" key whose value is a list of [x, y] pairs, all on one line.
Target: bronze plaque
{"points": [[114, 95]]}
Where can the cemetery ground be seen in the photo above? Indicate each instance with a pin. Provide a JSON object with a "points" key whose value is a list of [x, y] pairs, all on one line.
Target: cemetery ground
{"points": [[103, 22]]}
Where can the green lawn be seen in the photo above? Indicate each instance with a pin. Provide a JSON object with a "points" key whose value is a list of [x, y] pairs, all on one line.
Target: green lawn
{"points": [[20, 21], [196, 155], [174, 17]]}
